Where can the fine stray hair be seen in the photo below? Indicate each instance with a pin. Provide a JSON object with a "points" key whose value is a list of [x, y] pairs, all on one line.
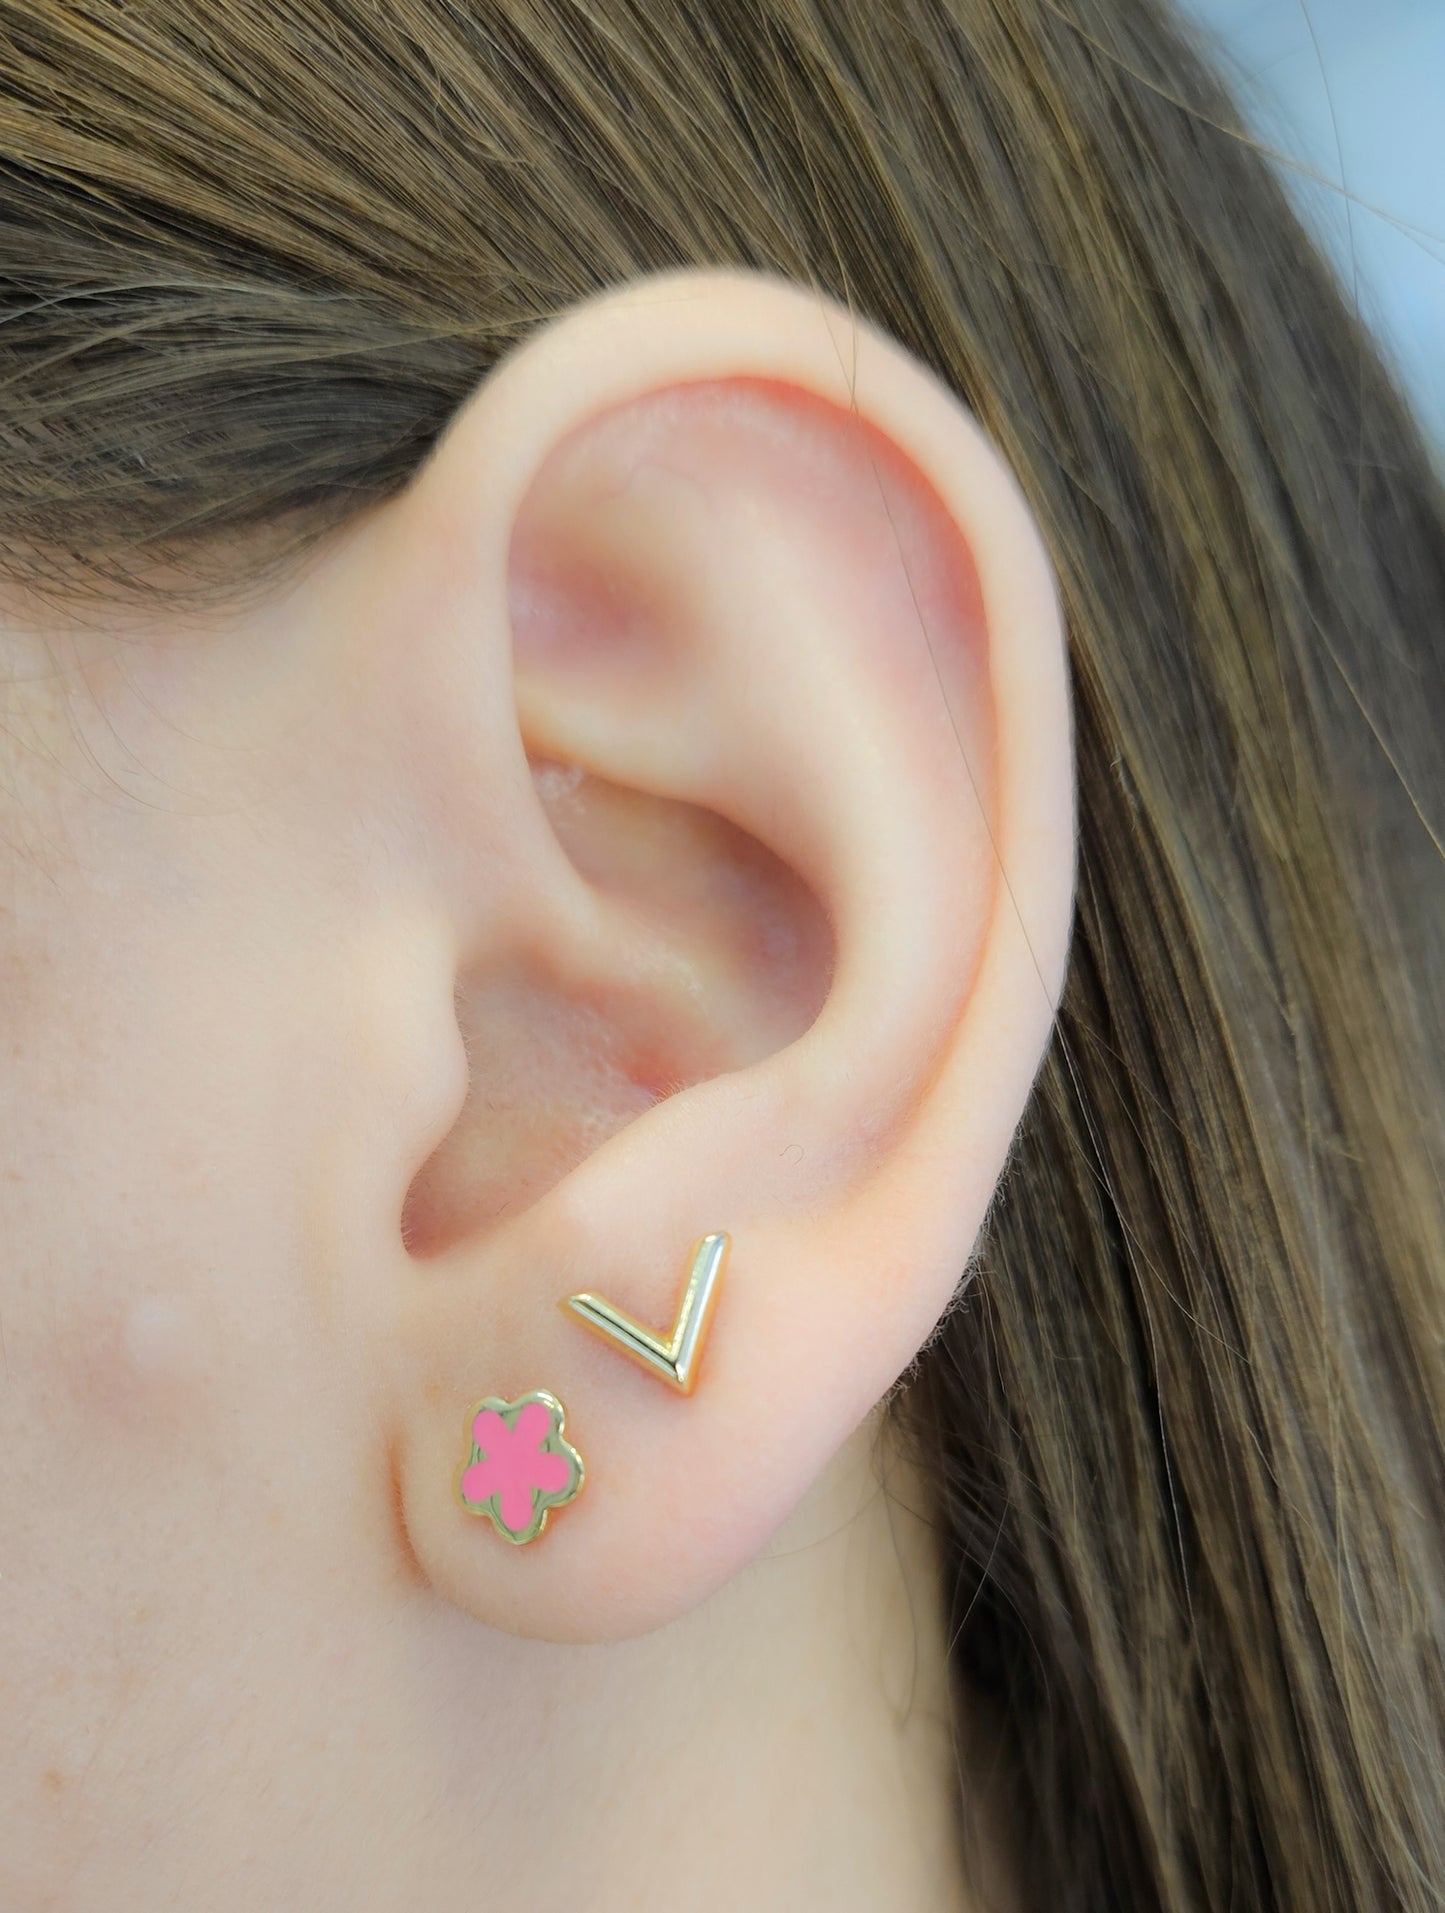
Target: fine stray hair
{"points": [[1185, 1419]]}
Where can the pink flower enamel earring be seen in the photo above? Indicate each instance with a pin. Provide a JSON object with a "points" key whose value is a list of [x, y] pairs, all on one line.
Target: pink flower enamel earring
{"points": [[519, 1465]]}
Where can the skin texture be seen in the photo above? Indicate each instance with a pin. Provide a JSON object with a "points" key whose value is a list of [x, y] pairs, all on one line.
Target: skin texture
{"points": [[657, 818]]}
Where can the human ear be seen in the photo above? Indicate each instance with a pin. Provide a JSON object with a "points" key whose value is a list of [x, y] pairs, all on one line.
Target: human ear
{"points": [[751, 722]]}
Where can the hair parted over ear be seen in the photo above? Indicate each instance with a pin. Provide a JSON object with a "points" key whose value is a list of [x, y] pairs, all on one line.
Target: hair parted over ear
{"points": [[748, 703]]}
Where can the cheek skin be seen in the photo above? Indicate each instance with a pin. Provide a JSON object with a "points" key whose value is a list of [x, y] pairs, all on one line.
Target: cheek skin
{"points": [[206, 925], [170, 1458]]}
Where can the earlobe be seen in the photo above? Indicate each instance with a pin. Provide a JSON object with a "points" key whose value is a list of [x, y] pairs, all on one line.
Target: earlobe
{"points": [[791, 705]]}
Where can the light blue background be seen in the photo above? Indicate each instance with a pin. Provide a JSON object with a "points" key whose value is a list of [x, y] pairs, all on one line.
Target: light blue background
{"points": [[1355, 89]]}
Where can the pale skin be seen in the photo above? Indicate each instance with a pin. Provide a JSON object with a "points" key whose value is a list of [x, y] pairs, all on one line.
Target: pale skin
{"points": [[658, 818]]}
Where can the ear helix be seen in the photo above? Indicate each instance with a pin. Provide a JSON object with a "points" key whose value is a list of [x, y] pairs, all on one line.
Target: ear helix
{"points": [[519, 1465]]}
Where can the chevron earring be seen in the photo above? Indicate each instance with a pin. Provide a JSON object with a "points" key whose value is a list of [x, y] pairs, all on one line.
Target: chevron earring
{"points": [[674, 1361]]}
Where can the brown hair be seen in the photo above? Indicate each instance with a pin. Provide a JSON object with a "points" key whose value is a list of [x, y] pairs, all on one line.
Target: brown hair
{"points": [[1186, 1418]]}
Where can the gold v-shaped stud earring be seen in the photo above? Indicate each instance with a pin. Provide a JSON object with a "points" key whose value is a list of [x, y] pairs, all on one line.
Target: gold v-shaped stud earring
{"points": [[674, 1361]]}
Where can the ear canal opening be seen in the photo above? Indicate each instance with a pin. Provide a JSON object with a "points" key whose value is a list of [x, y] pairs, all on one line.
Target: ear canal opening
{"points": [[718, 955]]}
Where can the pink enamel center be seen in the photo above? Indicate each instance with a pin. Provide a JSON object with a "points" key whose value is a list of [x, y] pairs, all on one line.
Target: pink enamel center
{"points": [[514, 1465]]}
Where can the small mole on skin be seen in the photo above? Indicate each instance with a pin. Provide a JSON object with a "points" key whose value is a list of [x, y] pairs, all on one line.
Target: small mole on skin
{"points": [[54, 1782], [145, 1359]]}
